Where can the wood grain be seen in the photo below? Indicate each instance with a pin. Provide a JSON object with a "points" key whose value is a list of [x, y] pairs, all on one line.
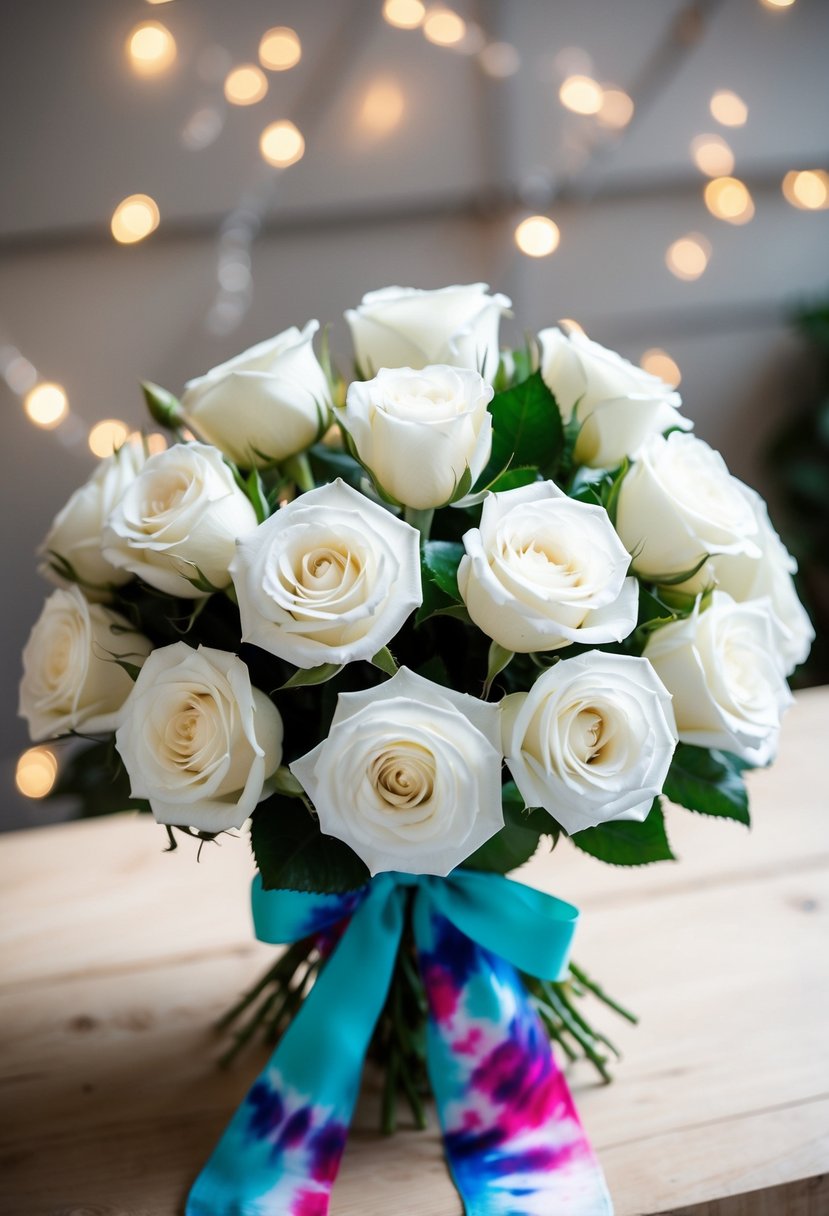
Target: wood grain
{"points": [[117, 957]]}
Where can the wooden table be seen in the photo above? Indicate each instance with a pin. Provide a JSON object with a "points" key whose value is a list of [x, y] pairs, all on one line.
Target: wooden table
{"points": [[117, 958]]}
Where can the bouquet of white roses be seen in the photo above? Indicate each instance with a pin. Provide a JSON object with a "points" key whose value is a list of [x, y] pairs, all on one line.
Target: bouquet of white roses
{"points": [[407, 626]]}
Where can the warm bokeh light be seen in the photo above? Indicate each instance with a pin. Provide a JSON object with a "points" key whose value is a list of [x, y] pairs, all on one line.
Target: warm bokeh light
{"points": [[382, 107], [134, 218], [404, 14], [712, 155], [20, 374], [807, 189], [46, 405], [581, 94], [777, 3], [728, 198], [106, 436], [202, 128], [280, 49], [245, 85], [537, 236], [616, 109], [728, 108], [444, 27], [158, 1], [688, 257], [281, 144], [499, 60], [659, 363], [151, 48], [36, 773], [155, 442]]}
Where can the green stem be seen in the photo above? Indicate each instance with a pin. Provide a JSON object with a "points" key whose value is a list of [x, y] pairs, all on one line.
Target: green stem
{"points": [[298, 470], [600, 993], [420, 519]]}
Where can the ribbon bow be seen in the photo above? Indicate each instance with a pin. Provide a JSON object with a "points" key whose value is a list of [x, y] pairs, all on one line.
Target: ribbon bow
{"points": [[512, 1137]]}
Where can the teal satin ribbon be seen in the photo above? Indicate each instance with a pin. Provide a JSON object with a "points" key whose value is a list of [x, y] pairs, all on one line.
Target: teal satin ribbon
{"points": [[321, 1054]]}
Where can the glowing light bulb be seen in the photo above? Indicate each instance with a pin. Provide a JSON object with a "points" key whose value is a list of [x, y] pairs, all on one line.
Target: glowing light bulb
{"points": [[499, 60], [281, 144], [151, 48], [777, 3], [245, 85], [404, 14], [382, 107], [537, 236], [36, 772], [659, 363], [444, 27], [712, 155], [46, 405], [581, 94], [280, 49], [688, 257], [728, 108], [616, 109], [728, 199], [134, 218], [106, 436], [807, 189]]}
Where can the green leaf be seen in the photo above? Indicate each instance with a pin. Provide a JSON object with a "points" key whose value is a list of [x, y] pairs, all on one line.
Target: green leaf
{"points": [[255, 490], [440, 560], [611, 502], [708, 782], [517, 840], [164, 407], [673, 580], [526, 428], [499, 658], [623, 842], [384, 659], [513, 479], [292, 853], [307, 676]]}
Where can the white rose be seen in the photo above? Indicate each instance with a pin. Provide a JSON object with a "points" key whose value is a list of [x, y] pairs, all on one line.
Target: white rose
{"points": [[330, 578], [720, 665], [75, 534], [180, 517], [71, 680], [619, 405], [198, 741], [679, 502], [407, 327], [592, 740], [264, 405], [768, 576], [543, 570], [420, 431], [409, 775]]}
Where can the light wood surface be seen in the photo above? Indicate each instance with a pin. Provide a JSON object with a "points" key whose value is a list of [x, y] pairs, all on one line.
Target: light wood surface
{"points": [[117, 957]]}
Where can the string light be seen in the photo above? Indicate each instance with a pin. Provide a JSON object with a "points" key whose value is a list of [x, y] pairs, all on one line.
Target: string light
{"points": [[106, 436], [659, 363], [151, 48], [444, 27], [537, 236], [727, 198], [134, 219], [281, 144], [581, 94], [712, 155], [807, 189], [36, 772], [382, 107], [245, 85], [688, 257], [728, 108], [499, 60], [616, 109], [280, 49], [777, 4], [404, 14], [46, 405]]}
